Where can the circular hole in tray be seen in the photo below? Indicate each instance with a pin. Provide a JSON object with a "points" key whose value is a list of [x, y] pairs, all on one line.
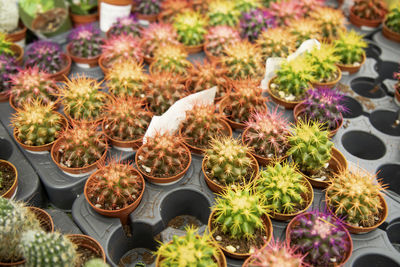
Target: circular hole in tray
{"points": [[363, 145], [364, 86], [386, 69], [390, 173], [354, 108], [6, 149], [393, 233], [384, 121], [373, 50], [374, 260]]}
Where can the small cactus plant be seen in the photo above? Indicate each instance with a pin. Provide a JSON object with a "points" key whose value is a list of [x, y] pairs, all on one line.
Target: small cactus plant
{"points": [[218, 37], [121, 47], [128, 25], [37, 124], [254, 22], [5, 46], [370, 9], [169, 9], [156, 35], [191, 27], [162, 156], [85, 41], [223, 12], [8, 16], [304, 29], [310, 147], [308, 6], [392, 20], [320, 238], [286, 12], [331, 21], [30, 84], [247, 5], [276, 42], [47, 56], [171, 58], [148, 7], [8, 67], [114, 186], [191, 249], [324, 62], [350, 47]]}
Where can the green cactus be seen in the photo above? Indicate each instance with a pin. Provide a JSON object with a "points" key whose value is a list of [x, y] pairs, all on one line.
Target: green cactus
{"points": [[247, 5], [170, 58], [96, 263], [276, 42], [393, 19], [223, 12], [329, 20], [324, 62], [191, 27], [310, 146], [350, 47], [5, 46], [305, 29]]}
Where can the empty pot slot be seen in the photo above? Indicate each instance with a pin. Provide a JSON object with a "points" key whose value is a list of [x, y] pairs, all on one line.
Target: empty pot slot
{"points": [[375, 260], [354, 108], [384, 121], [366, 87], [386, 69], [363, 145], [393, 233], [373, 51], [6, 149], [390, 173]]}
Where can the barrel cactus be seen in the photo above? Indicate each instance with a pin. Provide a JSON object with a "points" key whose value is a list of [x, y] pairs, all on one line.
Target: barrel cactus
{"points": [[392, 20], [286, 12], [128, 25], [8, 67], [191, 27], [156, 35], [308, 6], [121, 47], [350, 47], [47, 56], [148, 7], [169, 9], [276, 42], [369, 9], [223, 12], [331, 21], [171, 58], [85, 41], [305, 29], [324, 62], [255, 22], [218, 37]]}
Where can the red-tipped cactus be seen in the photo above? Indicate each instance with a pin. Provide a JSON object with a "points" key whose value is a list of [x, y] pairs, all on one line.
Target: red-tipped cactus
{"points": [[307, 6], [121, 47], [128, 25], [85, 41], [286, 12], [218, 37]]}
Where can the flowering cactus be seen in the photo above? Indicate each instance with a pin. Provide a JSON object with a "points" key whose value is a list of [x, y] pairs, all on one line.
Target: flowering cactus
{"points": [[324, 61], [350, 47], [171, 58], [148, 7], [218, 37], [128, 25], [8, 67], [254, 22], [276, 42], [286, 12], [331, 21], [223, 12], [305, 29], [370, 9], [85, 41], [156, 35], [47, 56], [191, 27], [122, 47]]}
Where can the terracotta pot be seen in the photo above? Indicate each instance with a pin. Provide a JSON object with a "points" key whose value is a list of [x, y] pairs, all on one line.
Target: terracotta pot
{"points": [[17, 36], [63, 73], [92, 61], [267, 227], [149, 18], [299, 109], [164, 180], [335, 165], [210, 56], [200, 151], [193, 49], [340, 158], [391, 35], [134, 144], [55, 156], [78, 20], [4, 96], [46, 222], [350, 68], [278, 100], [46, 147], [295, 222], [122, 214], [216, 188], [329, 84], [360, 230], [18, 52], [11, 191], [148, 60], [14, 264], [357, 21], [87, 242]]}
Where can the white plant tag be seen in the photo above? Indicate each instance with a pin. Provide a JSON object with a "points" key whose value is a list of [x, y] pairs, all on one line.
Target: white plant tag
{"points": [[83, 65], [367, 29], [306, 46], [110, 13], [271, 66]]}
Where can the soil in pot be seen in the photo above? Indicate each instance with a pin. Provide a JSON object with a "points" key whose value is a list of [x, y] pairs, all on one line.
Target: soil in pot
{"points": [[85, 254], [182, 221], [7, 177], [322, 175]]}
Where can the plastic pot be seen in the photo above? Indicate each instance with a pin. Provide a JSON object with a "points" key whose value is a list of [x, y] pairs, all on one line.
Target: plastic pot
{"points": [[351, 68], [111, 10], [357, 21], [83, 62], [87, 242], [12, 190], [285, 103], [329, 84], [391, 35]]}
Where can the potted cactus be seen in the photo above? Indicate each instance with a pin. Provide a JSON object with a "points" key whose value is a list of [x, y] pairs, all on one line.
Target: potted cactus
{"points": [[286, 12], [37, 126], [331, 21], [32, 84], [125, 122], [223, 12], [320, 238], [83, 11], [84, 46], [266, 134], [80, 149], [8, 180], [323, 105], [8, 68], [308, 6], [111, 10], [191, 249], [227, 163], [245, 98], [276, 42], [163, 159], [10, 49], [350, 48], [128, 25], [365, 207], [216, 39], [115, 190], [391, 25], [170, 58], [247, 5], [148, 9], [48, 57], [243, 61], [191, 28], [240, 229], [254, 22], [162, 91], [305, 29], [368, 13], [200, 126], [169, 9]]}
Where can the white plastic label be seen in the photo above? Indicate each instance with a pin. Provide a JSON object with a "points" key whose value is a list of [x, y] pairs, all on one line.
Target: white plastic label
{"points": [[367, 29], [110, 13], [82, 65], [306, 46]]}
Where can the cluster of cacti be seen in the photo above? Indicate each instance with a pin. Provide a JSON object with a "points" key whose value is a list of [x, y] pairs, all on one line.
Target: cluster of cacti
{"points": [[30, 84], [305, 29], [163, 155], [8, 67], [169, 9], [5, 46], [81, 146], [8, 15], [223, 12], [355, 196], [218, 37], [148, 7], [330, 21], [191, 27], [227, 161], [284, 188], [171, 58], [201, 125], [85, 41], [267, 133], [308, 6], [121, 47], [245, 99], [115, 186], [243, 60], [156, 35], [392, 20], [247, 5], [128, 25], [162, 90], [325, 106], [15, 219], [254, 22], [320, 238], [47, 56], [370, 9], [324, 61], [125, 119], [48, 249], [37, 124], [350, 47], [310, 147], [82, 99], [191, 249], [126, 78], [286, 12], [276, 42]]}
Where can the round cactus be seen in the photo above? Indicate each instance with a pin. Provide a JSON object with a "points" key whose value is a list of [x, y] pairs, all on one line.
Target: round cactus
{"points": [[330, 21], [254, 22], [121, 47], [324, 62], [392, 20], [369, 9], [85, 41], [308, 6], [47, 56], [305, 29], [223, 12], [128, 25], [350, 47], [191, 27], [8, 67], [218, 37], [276, 42], [156, 35], [247, 5], [286, 12], [148, 7], [171, 58], [169, 9]]}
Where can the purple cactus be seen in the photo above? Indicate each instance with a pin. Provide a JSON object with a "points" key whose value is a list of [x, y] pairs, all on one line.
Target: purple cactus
{"points": [[47, 56], [8, 67], [126, 25], [321, 238], [148, 7], [85, 41], [255, 22], [325, 106]]}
